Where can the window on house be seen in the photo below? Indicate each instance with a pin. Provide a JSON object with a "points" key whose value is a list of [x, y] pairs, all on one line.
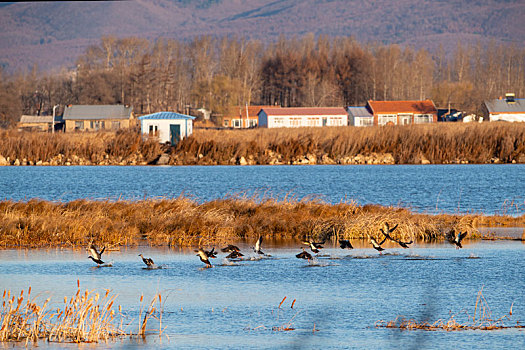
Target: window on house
{"points": [[422, 118], [253, 123], [385, 119], [226, 122], [153, 130], [236, 123], [367, 121], [102, 125], [79, 125]]}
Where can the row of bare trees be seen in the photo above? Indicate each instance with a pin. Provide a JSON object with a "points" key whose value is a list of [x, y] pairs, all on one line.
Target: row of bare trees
{"points": [[216, 73]]}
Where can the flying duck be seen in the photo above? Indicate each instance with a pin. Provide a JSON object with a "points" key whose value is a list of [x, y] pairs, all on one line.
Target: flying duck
{"points": [[304, 255], [234, 255], [314, 246], [148, 261], [95, 255], [345, 243], [257, 247], [211, 254], [377, 246], [230, 248], [202, 254], [457, 239], [387, 231]]}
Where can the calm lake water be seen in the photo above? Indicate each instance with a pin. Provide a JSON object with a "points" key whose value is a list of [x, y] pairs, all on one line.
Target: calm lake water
{"points": [[344, 293], [485, 189]]}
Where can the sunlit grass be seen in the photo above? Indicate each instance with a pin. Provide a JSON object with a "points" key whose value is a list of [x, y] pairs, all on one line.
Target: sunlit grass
{"points": [[86, 317], [185, 222]]}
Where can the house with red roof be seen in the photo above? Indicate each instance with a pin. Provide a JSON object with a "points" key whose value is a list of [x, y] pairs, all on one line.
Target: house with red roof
{"points": [[242, 117], [296, 117], [402, 112]]}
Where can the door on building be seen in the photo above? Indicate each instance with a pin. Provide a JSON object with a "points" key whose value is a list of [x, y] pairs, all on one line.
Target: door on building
{"points": [[174, 134], [325, 121]]}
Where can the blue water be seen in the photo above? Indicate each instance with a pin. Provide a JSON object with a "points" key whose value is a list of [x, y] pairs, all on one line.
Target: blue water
{"points": [[344, 293], [488, 189]]}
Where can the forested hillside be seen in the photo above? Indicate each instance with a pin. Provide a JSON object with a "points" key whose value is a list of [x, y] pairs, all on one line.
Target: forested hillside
{"points": [[54, 34], [217, 73]]}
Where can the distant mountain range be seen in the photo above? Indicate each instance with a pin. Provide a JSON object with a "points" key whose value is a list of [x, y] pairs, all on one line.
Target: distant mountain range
{"points": [[54, 34]]}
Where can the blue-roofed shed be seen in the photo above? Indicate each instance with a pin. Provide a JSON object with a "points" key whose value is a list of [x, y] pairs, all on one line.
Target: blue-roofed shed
{"points": [[360, 116], [167, 126]]}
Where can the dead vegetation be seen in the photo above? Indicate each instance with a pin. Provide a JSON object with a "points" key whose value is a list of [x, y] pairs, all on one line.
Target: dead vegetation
{"points": [[438, 144], [183, 222], [481, 319], [86, 317]]}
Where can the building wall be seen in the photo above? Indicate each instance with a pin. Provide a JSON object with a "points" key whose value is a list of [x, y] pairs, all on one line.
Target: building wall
{"points": [[509, 117], [34, 126], [91, 125], [298, 121], [404, 118], [163, 127]]}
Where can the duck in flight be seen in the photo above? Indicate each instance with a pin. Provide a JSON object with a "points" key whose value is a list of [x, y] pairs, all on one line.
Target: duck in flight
{"points": [[377, 246], [203, 255], [387, 231], [314, 246], [95, 255], [230, 248], [211, 254], [304, 255], [345, 243], [456, 239], [234, 255], [148, 261], [257, 248]]}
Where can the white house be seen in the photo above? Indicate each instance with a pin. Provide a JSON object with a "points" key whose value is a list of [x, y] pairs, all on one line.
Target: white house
{"points": [[510, 109], [167, 126], [360, 116], [296, 117]]}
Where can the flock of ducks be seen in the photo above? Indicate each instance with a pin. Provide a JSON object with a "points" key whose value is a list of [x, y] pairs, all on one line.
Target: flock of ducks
{"points": [[235, 253]]}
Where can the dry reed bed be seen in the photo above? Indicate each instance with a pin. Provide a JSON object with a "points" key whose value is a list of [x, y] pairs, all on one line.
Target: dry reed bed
{"points": [[439, 143], [86, 317], [183, 221], [92, 148], [481, 319]]}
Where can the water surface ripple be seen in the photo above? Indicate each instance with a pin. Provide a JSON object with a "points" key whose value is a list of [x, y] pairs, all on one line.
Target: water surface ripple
{"points": [[487, 189]]}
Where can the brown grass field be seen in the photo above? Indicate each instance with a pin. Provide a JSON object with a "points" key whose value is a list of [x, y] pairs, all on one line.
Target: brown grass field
{"points": [[440, 144], [184, 222]]}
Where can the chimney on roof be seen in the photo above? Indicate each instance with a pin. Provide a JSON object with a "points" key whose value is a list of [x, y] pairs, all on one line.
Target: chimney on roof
{"points": [[510, 97]]}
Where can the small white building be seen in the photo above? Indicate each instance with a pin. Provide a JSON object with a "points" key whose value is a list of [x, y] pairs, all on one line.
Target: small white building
{"points": [[167, 126], [510, 109], [296, 117], [360, 116]]}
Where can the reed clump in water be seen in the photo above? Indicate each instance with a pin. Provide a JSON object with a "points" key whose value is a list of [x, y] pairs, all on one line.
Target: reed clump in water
{"points": [[183, 221], [86, 317], [481, 320]]}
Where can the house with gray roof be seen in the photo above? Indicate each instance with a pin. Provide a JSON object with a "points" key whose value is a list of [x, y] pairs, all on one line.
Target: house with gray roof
{"points": [[360, 116], [167, 126], [97, 117], [510, 109]]}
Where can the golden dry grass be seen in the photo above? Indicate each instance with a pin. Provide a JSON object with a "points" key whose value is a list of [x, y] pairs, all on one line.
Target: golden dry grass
{"points": [[183, 221], [86, 317], [439, 143]]}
